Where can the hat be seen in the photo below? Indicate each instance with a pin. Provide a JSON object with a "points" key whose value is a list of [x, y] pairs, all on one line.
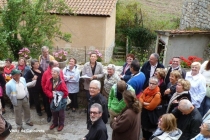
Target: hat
{"points": [[15, 71]]}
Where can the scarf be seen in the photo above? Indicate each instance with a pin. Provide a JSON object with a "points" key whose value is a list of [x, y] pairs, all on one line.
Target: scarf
{"points": [[55, 83], [174, 97], [21, 67], [148, 94], [160, 82], [126, 68]]}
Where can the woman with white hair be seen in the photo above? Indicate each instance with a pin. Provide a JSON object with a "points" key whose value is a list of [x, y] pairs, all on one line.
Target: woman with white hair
{"points": [[198, 85], [57, 92], [110, 79]]}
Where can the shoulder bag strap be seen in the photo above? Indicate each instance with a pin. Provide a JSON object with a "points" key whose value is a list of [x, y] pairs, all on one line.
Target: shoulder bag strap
{"points": [[32, 72]]}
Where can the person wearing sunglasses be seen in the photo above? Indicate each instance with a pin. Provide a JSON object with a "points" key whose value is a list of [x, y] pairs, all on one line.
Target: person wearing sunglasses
{"points": [[98, 130]]}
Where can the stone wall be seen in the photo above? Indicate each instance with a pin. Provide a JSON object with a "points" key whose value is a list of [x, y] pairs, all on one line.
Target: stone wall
{"points": [[82, 56], [195, 14]]}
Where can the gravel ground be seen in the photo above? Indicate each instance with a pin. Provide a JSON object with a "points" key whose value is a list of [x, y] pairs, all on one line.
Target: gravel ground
{"points": [[75, 127]]}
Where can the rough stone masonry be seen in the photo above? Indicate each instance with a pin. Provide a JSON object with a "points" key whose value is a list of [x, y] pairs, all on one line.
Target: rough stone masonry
{"points": [[195, 14]]}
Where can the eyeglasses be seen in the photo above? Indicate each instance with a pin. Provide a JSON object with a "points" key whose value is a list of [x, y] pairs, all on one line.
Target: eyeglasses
{"points": [[94, 113], [93, 88], [152, 83]]}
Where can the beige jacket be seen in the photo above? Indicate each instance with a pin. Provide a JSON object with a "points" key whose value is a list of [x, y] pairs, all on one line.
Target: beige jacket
{"points": [[88, 71]]}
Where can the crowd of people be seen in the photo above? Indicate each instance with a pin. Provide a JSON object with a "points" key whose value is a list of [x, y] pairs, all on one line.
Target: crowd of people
{"points": [[151, 101]]}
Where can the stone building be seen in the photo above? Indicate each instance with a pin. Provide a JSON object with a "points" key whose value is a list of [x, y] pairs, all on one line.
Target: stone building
{"points": [[182, 43], [195, 14], [92, 28]]}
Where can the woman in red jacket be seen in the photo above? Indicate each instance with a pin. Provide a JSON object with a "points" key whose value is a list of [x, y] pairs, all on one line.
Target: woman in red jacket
{"points": [[55, 89]]}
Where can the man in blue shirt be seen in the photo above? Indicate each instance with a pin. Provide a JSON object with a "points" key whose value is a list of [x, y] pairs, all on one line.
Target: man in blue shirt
{"points": [[138, 78]]}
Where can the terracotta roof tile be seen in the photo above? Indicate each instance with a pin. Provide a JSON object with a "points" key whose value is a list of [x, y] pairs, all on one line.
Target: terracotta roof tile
{"points": [[91, 7], [86, 7]]}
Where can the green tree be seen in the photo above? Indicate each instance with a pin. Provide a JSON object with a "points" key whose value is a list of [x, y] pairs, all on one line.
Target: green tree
{"points": [[29, 23], [129, 24]]}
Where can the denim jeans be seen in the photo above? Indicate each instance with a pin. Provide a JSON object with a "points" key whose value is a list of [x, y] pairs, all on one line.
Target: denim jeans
{"points": [[205, 106]]}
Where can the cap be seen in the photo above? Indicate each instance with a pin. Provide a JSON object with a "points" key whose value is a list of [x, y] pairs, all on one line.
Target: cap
{"points": [[15, 71]]}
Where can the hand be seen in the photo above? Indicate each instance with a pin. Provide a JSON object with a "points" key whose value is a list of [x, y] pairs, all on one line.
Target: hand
{"points": [[71, 77], [94, 77], [175, 101], [35, 77], [145, 103], [167, 91], [84, 138], [120, 76], [54, 93], [115, 118]]}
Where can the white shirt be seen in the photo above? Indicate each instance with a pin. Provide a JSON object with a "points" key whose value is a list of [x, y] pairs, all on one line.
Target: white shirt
{"points": [[205, 73], [21, 93], [152, 70], [197, 89]]}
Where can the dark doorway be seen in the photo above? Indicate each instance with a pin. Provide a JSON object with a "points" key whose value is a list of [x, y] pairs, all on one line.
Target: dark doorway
{"points": [[161, 49]]}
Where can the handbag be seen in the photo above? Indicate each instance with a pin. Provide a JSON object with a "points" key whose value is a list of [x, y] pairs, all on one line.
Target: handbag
{"points": [[56, 104], [8, 128], [155, 114], [1, 91], [32, 83], [68, 100]]}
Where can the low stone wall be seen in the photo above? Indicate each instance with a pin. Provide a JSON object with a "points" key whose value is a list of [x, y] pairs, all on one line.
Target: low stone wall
{"points": [[195, 14], [82, 54]]}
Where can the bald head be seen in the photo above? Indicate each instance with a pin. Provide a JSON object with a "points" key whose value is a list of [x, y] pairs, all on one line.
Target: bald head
{"points": [[153, 59], [185, 106], [53, 63]]}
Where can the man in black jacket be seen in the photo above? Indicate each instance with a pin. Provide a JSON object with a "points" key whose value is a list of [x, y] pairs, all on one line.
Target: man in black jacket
{"points": [[149, 68], [188, 119], [98, 130], [96, 97]]}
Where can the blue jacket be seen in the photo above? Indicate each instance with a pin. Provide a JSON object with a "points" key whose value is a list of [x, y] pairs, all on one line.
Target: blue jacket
{"points": [[12, 92], [27, 68], [137, 82]]}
